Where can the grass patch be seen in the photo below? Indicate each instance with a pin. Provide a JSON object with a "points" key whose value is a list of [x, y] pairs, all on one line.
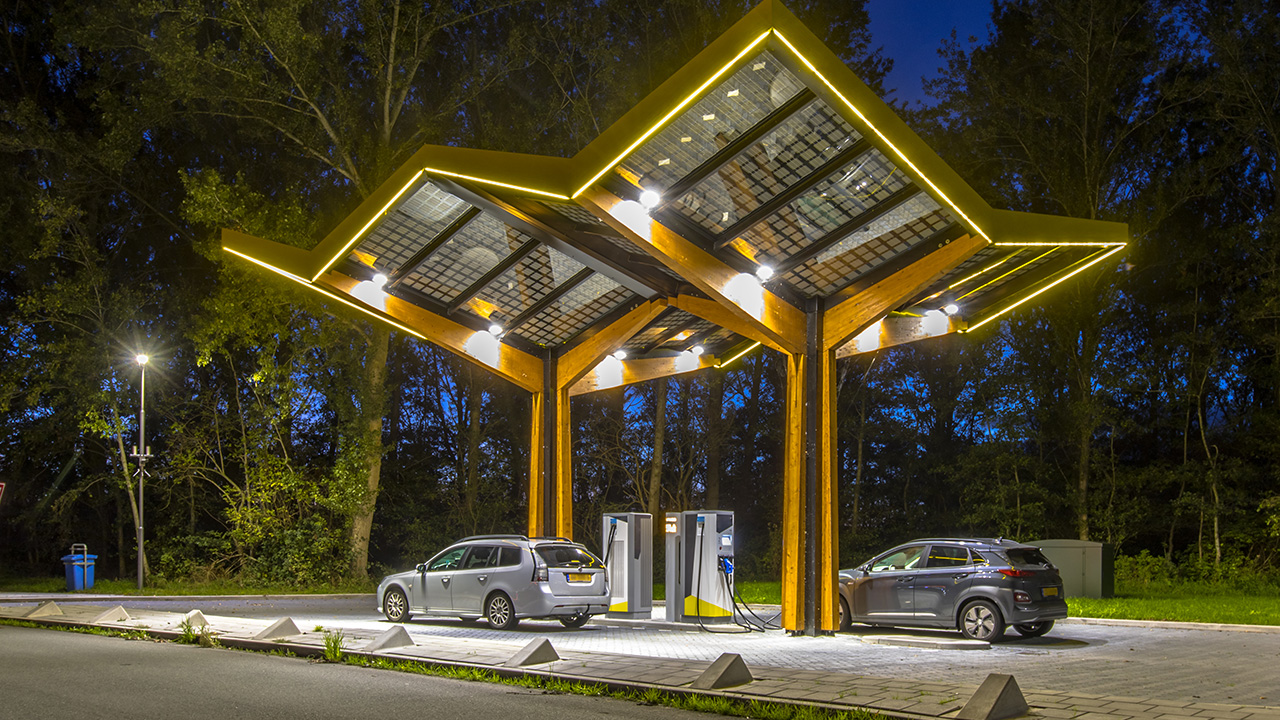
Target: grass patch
{"points": [[650, 696], [175, 587], [753, 592], [1200, 602]]}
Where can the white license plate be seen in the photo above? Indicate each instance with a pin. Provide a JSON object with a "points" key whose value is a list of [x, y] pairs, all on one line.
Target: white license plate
{"points": [[1051, 592]]}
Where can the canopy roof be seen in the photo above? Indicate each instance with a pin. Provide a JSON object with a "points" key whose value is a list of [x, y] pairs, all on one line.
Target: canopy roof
{"points": [[765, 150]]}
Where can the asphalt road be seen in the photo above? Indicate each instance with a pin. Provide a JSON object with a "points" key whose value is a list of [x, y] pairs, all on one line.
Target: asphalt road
{"points": [[46, 674]]}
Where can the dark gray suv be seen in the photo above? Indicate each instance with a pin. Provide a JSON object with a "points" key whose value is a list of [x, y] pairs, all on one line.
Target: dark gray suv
{"points": [[979, 586]]}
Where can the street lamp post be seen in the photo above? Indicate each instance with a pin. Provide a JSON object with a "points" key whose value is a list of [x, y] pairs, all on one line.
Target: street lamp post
{"points": [[141, 452]]}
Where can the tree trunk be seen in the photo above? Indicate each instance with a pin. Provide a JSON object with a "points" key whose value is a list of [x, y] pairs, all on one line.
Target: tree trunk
{"points": [[1082, 483], [372, 409], [715, 412], [653, 495]]}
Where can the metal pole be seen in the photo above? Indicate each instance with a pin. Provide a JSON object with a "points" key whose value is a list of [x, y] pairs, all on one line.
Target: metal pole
{"points": [[142, 463]]}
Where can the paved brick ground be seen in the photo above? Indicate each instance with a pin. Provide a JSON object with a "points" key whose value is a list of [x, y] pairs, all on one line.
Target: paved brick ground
{"points": [[1080, 671]]}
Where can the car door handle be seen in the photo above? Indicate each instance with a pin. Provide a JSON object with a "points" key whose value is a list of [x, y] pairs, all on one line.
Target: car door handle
{"points": [[907, 579], [445, 581], [959, 576], [482, 578]]}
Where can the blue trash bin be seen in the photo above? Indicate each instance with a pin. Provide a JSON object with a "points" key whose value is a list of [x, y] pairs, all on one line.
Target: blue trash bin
{"points": [[79, 567]]}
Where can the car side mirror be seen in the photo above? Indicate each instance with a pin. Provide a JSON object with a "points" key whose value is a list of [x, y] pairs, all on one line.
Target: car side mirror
{"points": [[421, 567]]}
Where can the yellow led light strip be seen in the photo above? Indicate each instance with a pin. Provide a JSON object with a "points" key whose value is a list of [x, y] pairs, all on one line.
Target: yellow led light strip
{"points": [[735, 357], [985, 270], [460, 176], [881, 135], [1001, 277], [305, 283], [1059, 244], [692, 96], [372, 220], [1064, 278]]}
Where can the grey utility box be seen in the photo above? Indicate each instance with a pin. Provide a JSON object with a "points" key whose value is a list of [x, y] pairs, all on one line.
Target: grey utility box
{"points": [[627, 542], [1087, 568]]}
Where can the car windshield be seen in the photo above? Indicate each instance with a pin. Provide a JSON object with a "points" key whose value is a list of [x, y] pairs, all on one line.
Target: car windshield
{"points": [[568, 556], [1020, 557]]}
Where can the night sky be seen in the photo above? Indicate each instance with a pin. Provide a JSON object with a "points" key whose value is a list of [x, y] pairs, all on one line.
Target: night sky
{"points": [[911, 31]]}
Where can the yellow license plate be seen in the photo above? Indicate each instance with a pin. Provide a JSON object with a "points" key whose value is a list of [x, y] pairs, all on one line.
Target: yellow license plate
{"points": [[580, 577], [1051, 592]]}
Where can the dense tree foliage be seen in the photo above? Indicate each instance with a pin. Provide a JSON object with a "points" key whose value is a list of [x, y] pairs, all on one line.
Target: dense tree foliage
{"points": [[297, 443]]}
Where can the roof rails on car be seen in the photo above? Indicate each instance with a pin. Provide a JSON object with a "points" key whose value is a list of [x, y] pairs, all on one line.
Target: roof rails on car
{"points": [[551, 537], [494, 537]]}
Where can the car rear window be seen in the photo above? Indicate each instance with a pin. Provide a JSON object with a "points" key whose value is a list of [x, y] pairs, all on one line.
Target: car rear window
{"points": [[565, 556], [1031, 557]]}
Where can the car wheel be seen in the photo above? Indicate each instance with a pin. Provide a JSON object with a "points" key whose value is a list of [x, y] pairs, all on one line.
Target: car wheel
{"points": [[980, 620], [1035, 629], [395, 605], [502, 616], [575, 621], [846, 619]]}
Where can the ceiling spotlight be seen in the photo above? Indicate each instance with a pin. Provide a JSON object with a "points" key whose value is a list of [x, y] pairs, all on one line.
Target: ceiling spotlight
{"points": [[495, 329], [620, 354], [697, 350], [764, 272], [650, 199], [141, 359], [951, 309], [379, 280]]}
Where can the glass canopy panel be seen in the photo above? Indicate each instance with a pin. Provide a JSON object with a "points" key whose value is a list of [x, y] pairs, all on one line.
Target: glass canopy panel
{"points": [[751, 93], [475, 249], [882, 240], [1027, 261], [784, 157], [845, 194], [578, 309], [657, 331], [537, 274], [410, 226]]}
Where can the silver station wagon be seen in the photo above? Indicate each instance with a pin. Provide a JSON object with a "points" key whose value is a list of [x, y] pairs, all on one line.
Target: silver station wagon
{"points": [[503, 578], [978, 586]]}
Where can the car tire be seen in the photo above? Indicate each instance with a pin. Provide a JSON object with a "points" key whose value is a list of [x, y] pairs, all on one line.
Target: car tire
{"points": [[575, 621], [500, 612], [846, 618], [395, 605], [981, 620], [1035, 629]]}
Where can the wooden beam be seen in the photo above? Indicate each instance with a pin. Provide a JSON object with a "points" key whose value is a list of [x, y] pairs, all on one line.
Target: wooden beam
{"points": [[581, 358], [843, 321], [605, 376], [902, 330], [754, 307], [827, 531], [563, 465], [508, 363]]}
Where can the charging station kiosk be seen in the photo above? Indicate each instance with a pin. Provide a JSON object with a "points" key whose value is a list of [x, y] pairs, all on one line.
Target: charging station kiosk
{"points": [[627, 544], [699, 546]]}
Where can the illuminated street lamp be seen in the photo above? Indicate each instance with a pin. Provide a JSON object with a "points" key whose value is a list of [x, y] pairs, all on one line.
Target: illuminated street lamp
{"points": [[141, 452]]}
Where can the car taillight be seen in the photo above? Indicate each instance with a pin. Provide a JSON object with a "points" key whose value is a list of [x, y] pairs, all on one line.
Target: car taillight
{"points": [[1010, 572], [1019, 596], [539, 569]]}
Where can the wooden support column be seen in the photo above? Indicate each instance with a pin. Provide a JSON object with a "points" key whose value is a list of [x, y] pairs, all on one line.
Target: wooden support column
{"points": [[551, 465], [810, 544], [793, 497]]}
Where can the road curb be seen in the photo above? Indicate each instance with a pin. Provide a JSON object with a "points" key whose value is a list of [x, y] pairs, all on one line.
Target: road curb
{"points": [[1174, 625]]}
